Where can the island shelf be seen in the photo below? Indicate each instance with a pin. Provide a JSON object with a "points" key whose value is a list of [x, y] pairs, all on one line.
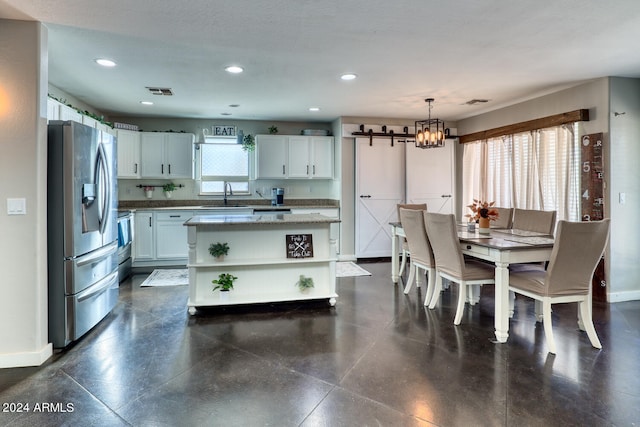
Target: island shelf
{"points": [[268, 254]]}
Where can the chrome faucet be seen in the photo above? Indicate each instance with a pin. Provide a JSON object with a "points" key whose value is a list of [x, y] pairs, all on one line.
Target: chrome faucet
{"points": [[225, 186]]}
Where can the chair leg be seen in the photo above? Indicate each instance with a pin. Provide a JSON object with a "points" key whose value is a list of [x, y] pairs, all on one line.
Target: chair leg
{"points": [[403, 262], [587, 320], [436, 292], [431, 285], [412, 275], [538, 310], [548, 330], [462, 297]]}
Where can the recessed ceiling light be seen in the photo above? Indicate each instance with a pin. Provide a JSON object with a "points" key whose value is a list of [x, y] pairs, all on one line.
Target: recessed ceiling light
{"points": [[225, 114], [348, 76], [105, 62], [234, 105], [314, 108], [146, 102], [234, 69]]}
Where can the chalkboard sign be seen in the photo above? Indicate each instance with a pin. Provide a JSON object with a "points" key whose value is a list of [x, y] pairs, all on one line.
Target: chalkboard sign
{"points": [[299, 245]]}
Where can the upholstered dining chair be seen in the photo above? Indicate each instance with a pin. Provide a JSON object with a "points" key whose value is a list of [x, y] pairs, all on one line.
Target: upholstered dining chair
{"points": [[420, 249], [505, 218], [575, 255], [405, 247], [534, 220], [450, 263]]}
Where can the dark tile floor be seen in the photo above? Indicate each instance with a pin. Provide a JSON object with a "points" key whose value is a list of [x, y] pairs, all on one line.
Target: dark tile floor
{"points": [[377, 358]]}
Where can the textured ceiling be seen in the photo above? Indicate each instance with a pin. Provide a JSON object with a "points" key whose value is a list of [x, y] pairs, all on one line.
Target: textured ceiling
{"points": [[294, 51]]}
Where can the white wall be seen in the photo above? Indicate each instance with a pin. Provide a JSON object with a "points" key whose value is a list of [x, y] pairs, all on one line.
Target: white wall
{"points": [[623, 176], [23, 168]]}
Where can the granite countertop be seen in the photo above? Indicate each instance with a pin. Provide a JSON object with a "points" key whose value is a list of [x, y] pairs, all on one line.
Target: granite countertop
{"points": [[259, 219], [124, 205]]}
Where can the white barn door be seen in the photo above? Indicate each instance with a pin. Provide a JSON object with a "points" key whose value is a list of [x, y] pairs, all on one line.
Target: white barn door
{"points": [[431, 177], [380, 177]]}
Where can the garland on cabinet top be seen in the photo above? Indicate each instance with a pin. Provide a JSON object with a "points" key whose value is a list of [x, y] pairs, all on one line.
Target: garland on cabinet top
{"points": [[85, 112]]}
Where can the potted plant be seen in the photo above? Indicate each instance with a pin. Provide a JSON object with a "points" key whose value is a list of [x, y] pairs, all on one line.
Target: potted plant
{"points": [[305, 283], [273, 130], [218, 250], [148, 191], [224, 282], [168, 189], [248, 143]]}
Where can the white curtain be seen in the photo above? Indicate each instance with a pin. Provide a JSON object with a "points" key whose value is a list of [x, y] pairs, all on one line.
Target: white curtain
{"points": [[529, 170]]}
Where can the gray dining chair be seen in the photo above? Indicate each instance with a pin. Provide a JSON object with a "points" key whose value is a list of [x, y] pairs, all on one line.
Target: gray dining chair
{"points": [[405, 247], [575, 255], [420, 249], [505, 218], [534, 220], [450, 262]]}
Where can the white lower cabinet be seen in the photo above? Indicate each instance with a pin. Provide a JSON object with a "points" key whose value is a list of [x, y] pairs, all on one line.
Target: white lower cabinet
{"points": [[143, 241], [160, 238], [171, 234]]}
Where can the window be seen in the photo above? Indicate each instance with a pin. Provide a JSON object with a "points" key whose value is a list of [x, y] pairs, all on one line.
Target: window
{"points": [[528, 170], [223, 160]]}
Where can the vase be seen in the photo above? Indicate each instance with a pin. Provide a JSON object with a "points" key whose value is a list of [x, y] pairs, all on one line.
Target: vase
{"points": [[224, 296], [483, 225], [168, 194], [219, 258], [149, 194]]}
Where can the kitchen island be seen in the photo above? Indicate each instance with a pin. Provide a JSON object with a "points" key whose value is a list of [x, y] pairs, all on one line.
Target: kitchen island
{"points": [[267, 253]]}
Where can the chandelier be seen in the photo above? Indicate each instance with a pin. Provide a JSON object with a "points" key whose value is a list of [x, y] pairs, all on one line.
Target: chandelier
{"points": [[430, 132]]}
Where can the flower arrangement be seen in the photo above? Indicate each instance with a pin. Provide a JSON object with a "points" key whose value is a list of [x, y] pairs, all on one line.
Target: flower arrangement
{"points": [[148, 188], [482, 209]]}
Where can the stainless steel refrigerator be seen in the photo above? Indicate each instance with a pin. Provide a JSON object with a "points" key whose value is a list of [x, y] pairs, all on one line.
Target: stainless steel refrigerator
{"points": [[82, 229]]}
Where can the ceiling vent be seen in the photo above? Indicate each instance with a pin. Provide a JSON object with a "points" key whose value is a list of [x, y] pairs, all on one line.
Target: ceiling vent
{"points": [[476, 101], [160, 91]]}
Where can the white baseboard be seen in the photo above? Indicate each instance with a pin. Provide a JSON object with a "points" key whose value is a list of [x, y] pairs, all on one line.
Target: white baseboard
{"points": [[29, 358], [347, 257], [623, 296]]}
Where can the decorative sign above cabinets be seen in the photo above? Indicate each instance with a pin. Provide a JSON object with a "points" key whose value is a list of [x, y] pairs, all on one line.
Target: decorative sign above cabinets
{"points": [[224, 131]]}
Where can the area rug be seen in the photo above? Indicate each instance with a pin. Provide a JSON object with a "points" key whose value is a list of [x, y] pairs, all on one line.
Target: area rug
{"points": [[349, 269], [167, 277]]}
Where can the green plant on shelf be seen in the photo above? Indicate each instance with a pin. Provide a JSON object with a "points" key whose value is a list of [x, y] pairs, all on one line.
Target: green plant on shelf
{"points": [[219, 249], [224, 282], [304, 283], [169, 187]]}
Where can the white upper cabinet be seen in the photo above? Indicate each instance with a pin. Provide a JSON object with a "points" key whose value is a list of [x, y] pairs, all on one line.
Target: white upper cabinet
{"points": [[271, 156], [299, 157], [294, 157], [128, 154], [321, 157], [166, 155]]}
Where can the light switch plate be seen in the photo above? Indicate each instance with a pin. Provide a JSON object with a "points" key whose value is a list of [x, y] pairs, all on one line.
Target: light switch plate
{"points": [[16, 206]]}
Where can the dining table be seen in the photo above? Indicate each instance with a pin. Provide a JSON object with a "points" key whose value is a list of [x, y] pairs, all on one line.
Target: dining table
{"points": [[501, 247]]}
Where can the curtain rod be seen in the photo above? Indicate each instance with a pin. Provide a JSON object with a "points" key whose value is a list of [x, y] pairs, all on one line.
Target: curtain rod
{"points": [[542, 123]]}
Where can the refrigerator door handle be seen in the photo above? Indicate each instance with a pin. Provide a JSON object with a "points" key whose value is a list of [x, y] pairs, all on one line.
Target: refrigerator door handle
{"points": [[98, 254], [102, 170]]}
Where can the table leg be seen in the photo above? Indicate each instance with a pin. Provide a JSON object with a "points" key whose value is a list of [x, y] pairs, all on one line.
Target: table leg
{"points": [[394, 255], [502, 302]]}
